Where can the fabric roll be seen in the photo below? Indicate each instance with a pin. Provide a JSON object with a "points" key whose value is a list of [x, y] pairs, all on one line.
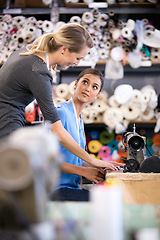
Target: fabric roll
{"points": [[89, 115], [75, 19], [113, 145], [134, 59], [149, 141], [152, 38], [62, 90], [47, 2], [106, 137], [117, 53], [87, 17], [130, 112], [116, 33], [102, 19], [123, 93], [57, 101], [112, 101], [94, 146], [47, 26], [104, 152], [39, 23], [99, 106], [12, 178], [136, 95], [94, 135], [112, 116], [72, 87], [127, 33], [148, 114], [156, 139]]}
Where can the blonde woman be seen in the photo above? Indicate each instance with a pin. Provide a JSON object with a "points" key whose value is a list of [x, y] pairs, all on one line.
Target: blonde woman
{"points": [[25, 76]]}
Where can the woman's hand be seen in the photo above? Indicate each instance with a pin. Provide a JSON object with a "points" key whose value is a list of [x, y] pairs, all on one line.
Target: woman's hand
{"points": [[96, 175], [106, 164]]}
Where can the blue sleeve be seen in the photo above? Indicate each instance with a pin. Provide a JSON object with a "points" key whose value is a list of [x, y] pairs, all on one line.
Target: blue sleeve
{"points": [[62, 115]]}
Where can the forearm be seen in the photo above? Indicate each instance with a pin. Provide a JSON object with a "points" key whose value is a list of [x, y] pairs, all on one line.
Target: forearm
{"points": [[69, 143], [72, 169]]}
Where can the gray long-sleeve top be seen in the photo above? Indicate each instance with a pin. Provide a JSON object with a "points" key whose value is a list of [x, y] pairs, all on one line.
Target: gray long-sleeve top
{"points": [[23, 79]]}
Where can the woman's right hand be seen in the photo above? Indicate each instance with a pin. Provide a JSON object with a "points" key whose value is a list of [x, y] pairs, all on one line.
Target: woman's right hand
{"points": [[106, 164]]}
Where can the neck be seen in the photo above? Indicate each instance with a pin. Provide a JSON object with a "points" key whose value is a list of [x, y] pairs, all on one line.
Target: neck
{"points": [[78, 105]]}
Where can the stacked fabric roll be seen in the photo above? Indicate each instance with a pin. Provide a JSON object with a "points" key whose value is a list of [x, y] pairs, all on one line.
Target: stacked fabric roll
{"points": [[18, 31], [118, 110], [105, 145], [116, 41], [119, 42]]}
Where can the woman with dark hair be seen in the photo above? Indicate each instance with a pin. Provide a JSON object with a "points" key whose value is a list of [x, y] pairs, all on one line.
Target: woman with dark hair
{"points": [[87, 88]]}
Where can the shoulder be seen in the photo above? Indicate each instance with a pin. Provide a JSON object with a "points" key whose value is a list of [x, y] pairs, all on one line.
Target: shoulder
{"points": [[64, 109]]}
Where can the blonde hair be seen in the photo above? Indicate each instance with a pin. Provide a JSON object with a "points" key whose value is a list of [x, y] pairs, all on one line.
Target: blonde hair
{"points": [[72, 35]]}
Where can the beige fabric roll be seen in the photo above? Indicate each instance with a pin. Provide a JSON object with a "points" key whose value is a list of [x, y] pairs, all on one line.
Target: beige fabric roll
{"points": [[130, 112], [62, 90], [112, 116], [15, 170]]}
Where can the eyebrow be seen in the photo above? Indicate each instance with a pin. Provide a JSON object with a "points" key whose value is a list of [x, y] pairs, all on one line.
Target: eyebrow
{"points": [[93, 83]]}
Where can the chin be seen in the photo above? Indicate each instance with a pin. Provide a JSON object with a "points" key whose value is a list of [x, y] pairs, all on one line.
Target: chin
{"points": [[62, 67]]}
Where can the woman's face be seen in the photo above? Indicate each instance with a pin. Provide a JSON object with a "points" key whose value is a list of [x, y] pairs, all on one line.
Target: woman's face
{"points": [[71, 58], [88, 88]]}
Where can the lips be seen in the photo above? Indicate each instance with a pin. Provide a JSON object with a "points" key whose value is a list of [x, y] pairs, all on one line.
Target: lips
{"points": [[85, 94]]}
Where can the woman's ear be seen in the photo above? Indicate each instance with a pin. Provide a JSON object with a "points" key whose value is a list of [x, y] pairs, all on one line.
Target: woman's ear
{"points": [[75, 84], [97, 95]]}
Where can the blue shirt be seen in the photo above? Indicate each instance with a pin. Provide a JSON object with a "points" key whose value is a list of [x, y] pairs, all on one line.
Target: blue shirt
{"points": [[68, 119]]}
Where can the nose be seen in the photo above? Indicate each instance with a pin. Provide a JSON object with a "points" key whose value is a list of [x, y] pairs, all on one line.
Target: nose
{"points": [[76, 62]]}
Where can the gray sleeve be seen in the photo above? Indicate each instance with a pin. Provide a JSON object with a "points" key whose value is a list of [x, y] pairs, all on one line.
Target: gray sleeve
{"points": [[41, 88]]}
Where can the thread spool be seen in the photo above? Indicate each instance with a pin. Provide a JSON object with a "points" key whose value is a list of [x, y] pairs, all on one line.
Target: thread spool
{"points": [[94, 146]]}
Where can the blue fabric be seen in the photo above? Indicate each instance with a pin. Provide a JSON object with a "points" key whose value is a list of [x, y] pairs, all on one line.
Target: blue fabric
{"points": [[68, 119]]}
